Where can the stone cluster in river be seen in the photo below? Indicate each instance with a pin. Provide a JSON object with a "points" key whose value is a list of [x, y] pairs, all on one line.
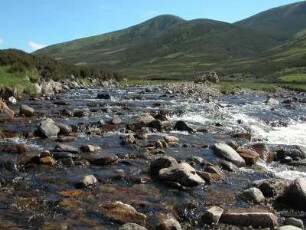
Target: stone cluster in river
{"points": [[149, 139]]}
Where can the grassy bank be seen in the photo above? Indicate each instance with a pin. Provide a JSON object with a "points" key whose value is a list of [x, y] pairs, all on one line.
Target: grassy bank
{"points": [[229, 87], [19, 79]]}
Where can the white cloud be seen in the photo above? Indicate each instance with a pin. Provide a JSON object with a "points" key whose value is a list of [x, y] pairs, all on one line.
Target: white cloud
{"points": [[35, 46], [1, 41]]}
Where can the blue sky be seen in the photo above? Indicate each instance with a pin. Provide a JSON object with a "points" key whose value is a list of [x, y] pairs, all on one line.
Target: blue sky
{"points": [[32, 24]]}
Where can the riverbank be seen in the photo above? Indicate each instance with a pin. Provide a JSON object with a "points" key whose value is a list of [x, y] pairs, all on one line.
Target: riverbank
{"points": [[117, 156]]}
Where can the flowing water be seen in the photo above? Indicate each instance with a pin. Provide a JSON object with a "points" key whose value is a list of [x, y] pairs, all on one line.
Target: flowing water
{"points": [[32, 195]]}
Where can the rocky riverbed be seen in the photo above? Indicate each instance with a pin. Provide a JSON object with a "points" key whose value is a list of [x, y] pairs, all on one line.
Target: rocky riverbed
{"points": [[178, 156]]}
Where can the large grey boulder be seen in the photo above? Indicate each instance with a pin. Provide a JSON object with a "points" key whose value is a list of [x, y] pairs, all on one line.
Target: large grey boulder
{"points": [[228, 153], [47, 128], [250, 217], [182, 173]]}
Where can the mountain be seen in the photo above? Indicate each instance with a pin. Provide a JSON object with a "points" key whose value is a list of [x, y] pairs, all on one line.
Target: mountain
{"points": [[171, 47], [165, 46], [280, 23]]}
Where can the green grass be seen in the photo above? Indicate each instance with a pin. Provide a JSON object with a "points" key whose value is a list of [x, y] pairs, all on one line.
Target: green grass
{"points": [[18, 80], [293, 78]]}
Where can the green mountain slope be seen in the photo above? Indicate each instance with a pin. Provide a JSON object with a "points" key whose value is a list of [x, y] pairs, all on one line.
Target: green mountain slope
{"points": [[280, 23], [165, 46]]}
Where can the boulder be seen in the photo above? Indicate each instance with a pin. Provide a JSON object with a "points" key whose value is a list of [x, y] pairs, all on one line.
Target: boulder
{"points": [[228, 153], [250, 157], [181, 173], [295, 195], [212, 215], [271, 101], [26, 110], [46, 88], [47, 128], [160, 163], [271, 187], [37, 88], [64, 129], [5, 112], [252, 195], [182, 126], [250, 217], [122, 213]]}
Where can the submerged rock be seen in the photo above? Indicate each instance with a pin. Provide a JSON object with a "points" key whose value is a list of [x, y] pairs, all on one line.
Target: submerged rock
{"points": [[225, 151]]}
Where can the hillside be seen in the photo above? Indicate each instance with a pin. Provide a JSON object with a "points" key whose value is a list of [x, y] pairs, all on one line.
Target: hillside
{"points": [[167, 46], [280, 23]]}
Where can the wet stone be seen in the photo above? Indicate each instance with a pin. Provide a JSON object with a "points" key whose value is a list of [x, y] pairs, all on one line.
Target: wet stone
{"points": [[250, 217], [183, 174], [47, 128], [66, 148], [105, 160], [47, 161], [226, 165], [295, 195], [228, 153], [271, 187], [88, 148], [122, 213], [182, 126], [160, 163], [86, 181], [212, 215], [252, 195], [248, 155], [26, 110]]}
